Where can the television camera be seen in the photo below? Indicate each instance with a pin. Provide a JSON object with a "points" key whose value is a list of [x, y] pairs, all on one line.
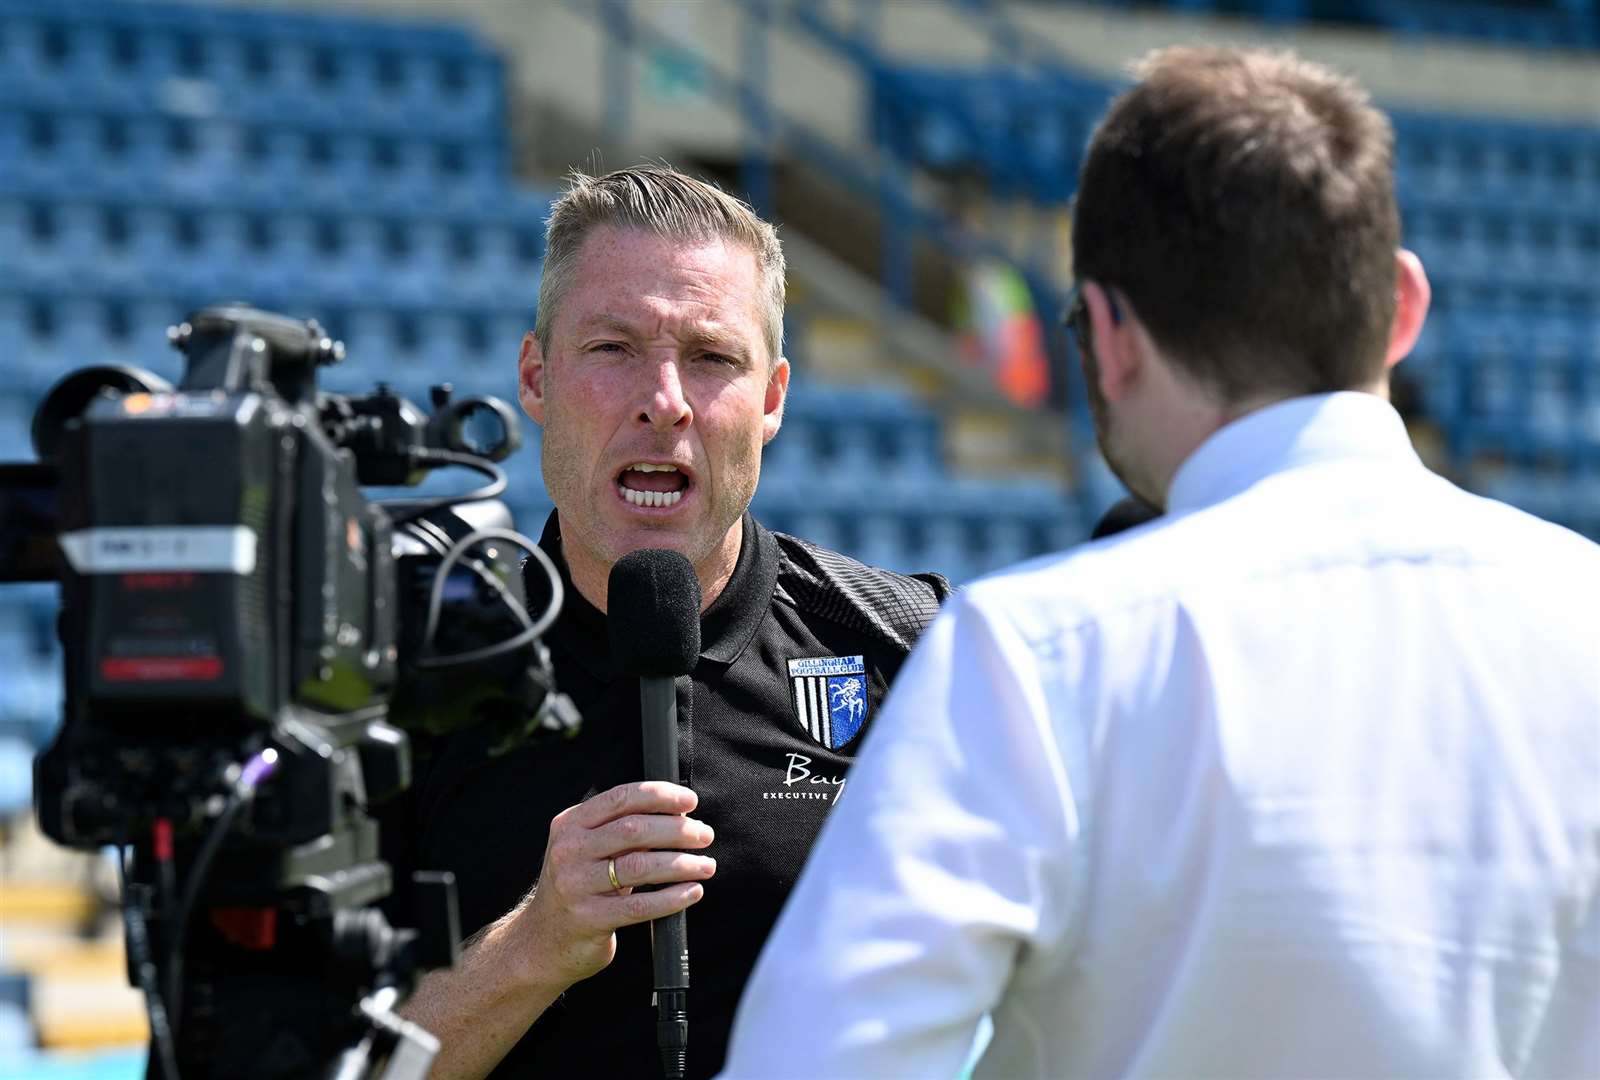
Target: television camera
{"points": [[249, 642]]}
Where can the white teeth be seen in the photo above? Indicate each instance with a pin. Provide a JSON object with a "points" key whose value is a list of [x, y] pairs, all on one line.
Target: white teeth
{"points": [[650, 498]]}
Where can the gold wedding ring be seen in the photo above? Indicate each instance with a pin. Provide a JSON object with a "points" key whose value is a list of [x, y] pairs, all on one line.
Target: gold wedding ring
{"points": [[611, 872]]}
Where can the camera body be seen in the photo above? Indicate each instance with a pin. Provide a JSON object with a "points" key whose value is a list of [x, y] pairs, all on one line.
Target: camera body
{"points": [[246, 636]]}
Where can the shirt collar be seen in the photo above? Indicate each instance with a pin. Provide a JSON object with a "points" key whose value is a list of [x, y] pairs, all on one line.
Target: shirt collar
{"points": [[726, 627], [1288, 435]]}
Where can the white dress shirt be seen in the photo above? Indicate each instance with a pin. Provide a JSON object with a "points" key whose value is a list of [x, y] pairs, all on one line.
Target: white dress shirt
{"points": [[1302, 780]]}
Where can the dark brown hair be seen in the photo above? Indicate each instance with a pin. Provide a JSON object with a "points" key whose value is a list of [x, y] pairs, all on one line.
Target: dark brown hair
{"points": [[1243, 202]]}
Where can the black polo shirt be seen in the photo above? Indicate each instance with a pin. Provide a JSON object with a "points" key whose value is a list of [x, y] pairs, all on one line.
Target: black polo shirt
{"points": [[796, 655]]}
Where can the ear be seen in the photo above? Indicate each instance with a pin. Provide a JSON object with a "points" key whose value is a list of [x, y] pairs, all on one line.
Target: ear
{"points": [[530, 378], [1412, 295], [777, 393], [1116, 353]]}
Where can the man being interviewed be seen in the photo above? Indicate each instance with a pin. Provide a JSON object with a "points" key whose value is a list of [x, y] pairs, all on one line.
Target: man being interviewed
{"points": [[1301, 779], [656, 372]]}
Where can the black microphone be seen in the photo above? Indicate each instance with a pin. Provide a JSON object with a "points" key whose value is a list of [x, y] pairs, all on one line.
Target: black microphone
{"points": [[653, 617]]}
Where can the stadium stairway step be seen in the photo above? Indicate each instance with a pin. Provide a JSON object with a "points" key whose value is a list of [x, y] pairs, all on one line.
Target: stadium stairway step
{"points": [[55, 929], [78, 987], [852, 334]]}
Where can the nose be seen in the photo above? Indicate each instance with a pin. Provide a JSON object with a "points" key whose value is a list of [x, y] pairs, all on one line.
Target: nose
{"points": [[666, 407]]}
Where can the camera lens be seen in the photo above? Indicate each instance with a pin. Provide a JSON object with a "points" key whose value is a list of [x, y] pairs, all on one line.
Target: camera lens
{"points": [[68, 398]]}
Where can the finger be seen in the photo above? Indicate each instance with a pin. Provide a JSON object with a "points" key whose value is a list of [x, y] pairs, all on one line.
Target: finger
{"points": [[647, 832], [640, 797], [655, 868], [644, 906]]}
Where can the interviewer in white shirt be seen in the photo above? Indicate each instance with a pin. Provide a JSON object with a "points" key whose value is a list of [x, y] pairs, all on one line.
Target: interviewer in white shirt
{"points": [[1300, 780]]}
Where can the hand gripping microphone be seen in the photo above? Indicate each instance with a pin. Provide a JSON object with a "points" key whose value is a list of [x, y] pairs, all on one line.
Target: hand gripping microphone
{"points": [[653, 617]]}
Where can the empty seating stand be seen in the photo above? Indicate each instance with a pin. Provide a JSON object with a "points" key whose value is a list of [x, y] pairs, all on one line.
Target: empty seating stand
{"points": [[1505, 215], [1558, 24], [154, 158], [1569, 24], [160, 156], [860, 469], [251, 66]]}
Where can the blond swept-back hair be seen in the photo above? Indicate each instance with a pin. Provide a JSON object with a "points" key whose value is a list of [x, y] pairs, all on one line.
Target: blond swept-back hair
{"points": [[661, 200]]}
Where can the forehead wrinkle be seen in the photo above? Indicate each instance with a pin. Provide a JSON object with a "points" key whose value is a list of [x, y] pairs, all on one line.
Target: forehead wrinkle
{"points": [[708, 333], [717, 298], [704, 333], [604, 321]]}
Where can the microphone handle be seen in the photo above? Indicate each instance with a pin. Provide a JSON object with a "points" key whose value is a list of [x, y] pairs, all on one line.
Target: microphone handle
{"points": [[658, 710], [658, 706], [669, 942]]}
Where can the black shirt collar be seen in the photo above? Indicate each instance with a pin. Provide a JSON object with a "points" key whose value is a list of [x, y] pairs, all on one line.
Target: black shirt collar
{"points": [[726, 627]]}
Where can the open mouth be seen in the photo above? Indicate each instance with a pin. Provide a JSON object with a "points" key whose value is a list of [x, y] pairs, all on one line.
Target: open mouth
{"points": [[646, 484]]}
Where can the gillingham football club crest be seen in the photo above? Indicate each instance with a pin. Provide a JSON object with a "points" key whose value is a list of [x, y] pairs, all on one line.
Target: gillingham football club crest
{"points": [[830, 697]]}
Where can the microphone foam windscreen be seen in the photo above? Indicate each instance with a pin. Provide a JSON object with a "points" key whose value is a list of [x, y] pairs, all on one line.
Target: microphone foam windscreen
{"points": [[653, 613]]}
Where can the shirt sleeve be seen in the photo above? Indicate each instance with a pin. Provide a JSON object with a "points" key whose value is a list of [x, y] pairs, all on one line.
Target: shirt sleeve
{"points": [[936, 872], [1568, 1043]]}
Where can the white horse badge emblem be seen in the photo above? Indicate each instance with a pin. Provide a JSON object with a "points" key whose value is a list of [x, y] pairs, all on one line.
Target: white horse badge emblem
{"points": [[830, 697]]}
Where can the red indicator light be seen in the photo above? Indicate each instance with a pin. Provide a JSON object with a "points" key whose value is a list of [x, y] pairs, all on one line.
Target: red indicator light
{"points": [[248, 928], [162, 669]]}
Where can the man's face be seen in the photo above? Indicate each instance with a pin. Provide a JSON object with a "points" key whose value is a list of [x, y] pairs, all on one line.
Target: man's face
{"points": [[656, 398]]}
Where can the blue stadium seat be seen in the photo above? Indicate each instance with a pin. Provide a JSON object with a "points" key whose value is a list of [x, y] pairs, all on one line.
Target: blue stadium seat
{"points": [[149, 316], [14, 333], [506, 257], [14, 241], [198, 159], [336, 170], [496, 271], [16, 415], [789, 464], [1488, 387], [366, 334], [820, 526], [883, 542], [37, 363], [484, 362], [112, 61], [947, 549], [506, 326], [1555, 392], [357, 266], [80, 337], [61, 244], [167, 245], [401, 173], [16, 797], [271, 166], [105, 237], [439, 345], [857, 456], [914, 453], [416, 261], [13, 148], [37, 58], [1578, 255]]}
